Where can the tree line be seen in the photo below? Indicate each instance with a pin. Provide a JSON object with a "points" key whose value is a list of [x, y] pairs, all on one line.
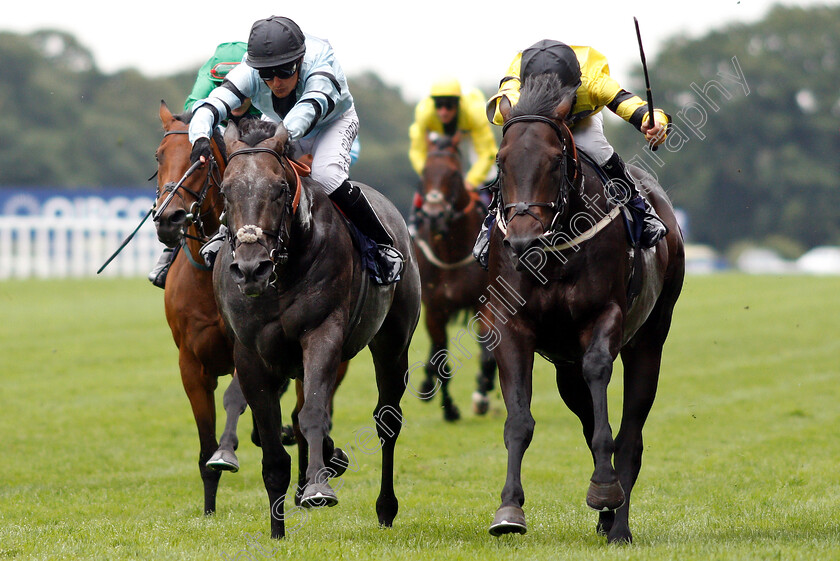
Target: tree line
{"points": [[751, 158]]}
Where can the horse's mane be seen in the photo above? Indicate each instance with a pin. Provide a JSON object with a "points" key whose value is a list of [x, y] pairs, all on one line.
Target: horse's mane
{"points": [[540, 95], [253, 131]]}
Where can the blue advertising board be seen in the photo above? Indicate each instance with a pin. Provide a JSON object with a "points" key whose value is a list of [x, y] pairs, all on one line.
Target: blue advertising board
{"points": [[104, 203]]}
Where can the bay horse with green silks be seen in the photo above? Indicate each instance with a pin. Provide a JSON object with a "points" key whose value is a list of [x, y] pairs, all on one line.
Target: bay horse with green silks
{"points": [[447, 222], [587, 297]]}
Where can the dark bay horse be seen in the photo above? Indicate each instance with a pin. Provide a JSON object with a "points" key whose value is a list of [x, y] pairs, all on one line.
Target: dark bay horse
{"points": [[205, 352], [560, 244], [452, 280], [297, 299]]}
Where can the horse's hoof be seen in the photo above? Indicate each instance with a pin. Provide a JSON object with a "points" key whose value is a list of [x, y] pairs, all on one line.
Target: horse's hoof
{"points": [[317, 495], [508, 520], [339, 462], [223, 460], [480, 403], [605, 496], [287, 436]]}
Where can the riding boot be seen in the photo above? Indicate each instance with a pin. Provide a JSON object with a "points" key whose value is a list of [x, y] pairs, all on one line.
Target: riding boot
{"points": [[481, 249], [213, 245], [624, 189], [158, 275], [353, 203]]}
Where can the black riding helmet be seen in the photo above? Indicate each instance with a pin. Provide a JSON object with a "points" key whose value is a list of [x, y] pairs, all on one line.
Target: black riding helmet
{"points": [[551, 57], [273, 42]]}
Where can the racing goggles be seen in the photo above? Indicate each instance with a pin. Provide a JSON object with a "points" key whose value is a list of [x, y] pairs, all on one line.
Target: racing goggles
{"points": [[283, 71]]}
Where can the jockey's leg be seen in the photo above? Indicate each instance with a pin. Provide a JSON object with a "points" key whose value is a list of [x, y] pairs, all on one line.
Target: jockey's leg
{"points": [[653, 229], [589, 137], [353, 203], [158, 275]]}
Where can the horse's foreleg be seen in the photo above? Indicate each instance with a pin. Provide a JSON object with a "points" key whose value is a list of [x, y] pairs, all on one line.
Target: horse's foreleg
{"points": [[302, 446], [224, 459], [602, 343], [515, 356], [199, 387], [321, 359], [261, 389]]}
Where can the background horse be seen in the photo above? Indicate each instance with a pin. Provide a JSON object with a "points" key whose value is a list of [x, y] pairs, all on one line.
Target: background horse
{"points": [[298, 299], [205, 352], [586, 294], [452, 280]]}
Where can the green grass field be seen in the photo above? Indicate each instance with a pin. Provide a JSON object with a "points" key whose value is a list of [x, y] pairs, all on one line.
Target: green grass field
{"points": [[741, 458]]}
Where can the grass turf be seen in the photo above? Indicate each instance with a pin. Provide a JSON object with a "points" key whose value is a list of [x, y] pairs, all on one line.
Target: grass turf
{"points": [[741, 447]]}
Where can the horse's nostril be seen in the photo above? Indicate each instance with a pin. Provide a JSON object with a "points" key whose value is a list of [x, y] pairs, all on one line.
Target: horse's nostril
{"points": [[264, 270], [178, 217], [236, 273]]}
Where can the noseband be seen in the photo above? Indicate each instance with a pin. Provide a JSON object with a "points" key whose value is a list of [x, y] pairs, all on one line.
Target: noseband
{"points": [[194, 213], [567, 184], [250, 233]]}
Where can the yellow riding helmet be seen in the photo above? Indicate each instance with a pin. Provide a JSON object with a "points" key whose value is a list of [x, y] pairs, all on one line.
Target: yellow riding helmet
{"points": [[446, 87]]}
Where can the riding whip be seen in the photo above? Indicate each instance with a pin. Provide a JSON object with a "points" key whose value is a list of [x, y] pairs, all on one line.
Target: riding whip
{"points": [[647, 81], [151, 211]]}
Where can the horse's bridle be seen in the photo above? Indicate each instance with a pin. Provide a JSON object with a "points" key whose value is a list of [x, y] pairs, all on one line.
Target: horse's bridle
{"points": [[279, 254], [568, 183], [450, 213], [194, 213]]}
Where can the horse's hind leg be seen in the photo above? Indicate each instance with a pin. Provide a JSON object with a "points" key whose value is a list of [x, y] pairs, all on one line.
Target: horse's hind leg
{"points": [[486, 379], [224, 459], [438, 365], [641, 375], [199, 387], [391, 368]]}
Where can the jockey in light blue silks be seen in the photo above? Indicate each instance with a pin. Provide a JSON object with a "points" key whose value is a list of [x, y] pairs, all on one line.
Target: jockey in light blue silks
{"points": [[295, 78]]}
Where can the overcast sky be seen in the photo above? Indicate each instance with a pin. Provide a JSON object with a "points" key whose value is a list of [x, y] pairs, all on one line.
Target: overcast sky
{"points": [[407, 44]]}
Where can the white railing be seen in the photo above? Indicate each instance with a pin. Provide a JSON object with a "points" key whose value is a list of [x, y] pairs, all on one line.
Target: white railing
{"points": [[57, 247]]}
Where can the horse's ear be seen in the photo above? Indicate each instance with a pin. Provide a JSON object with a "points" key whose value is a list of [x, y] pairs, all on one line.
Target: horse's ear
{"points": [[504, 108], [165, 115], [231, 135], [567, 101], [456, 138], [281, 137]]}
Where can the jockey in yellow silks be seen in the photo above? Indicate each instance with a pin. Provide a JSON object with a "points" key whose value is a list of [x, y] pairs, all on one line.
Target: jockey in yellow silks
{"points": [[446, 111], [588, 68]]}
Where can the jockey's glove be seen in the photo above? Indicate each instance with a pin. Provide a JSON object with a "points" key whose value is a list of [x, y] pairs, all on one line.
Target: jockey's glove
{"points": [[201, 147]]}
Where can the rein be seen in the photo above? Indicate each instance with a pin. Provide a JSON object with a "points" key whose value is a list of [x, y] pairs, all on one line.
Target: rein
{"points": [[558, 205]]}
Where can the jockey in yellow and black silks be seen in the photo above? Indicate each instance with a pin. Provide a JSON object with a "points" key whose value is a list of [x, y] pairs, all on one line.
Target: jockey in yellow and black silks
{"points": [[446, 111], [449, 110], [588, 68]]}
